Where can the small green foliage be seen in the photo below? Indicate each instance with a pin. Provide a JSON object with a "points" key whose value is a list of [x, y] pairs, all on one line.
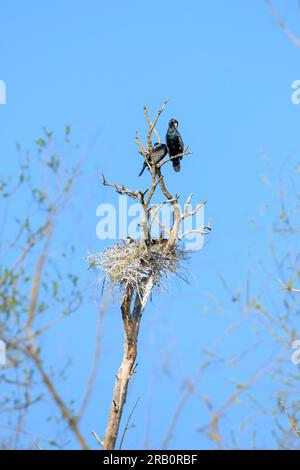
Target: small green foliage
{"points": [[67, 134], [39, 195], [54, 163], [47, 133], [41, 143], [290, 284]]}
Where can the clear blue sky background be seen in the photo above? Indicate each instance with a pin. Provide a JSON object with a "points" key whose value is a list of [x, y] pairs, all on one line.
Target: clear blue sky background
{"points": [[227, 70]]}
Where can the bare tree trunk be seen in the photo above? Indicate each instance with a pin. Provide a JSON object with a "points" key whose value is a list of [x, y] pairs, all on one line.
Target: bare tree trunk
{"points": [[131, 330], [120, 392]]}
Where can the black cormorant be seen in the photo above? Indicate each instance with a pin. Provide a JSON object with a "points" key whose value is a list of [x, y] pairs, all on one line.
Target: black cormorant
{"points": [[175, 143], [159, 151]]}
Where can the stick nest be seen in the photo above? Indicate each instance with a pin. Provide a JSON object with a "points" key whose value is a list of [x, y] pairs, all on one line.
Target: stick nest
{"points": [[131, 264]]}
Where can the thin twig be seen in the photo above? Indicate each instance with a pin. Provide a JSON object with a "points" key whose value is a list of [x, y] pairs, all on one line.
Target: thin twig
{"points": [[169, 159], [282, 25], [93, 373], [97, 438], [152, 125], [120, 189], [127, 423]]}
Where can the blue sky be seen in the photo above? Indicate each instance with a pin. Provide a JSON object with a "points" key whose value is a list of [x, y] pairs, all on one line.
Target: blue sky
{"points": [[227, 70]]}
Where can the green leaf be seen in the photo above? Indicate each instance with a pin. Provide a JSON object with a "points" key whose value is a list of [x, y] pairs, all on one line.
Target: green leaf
{"points": [[40, 142]]}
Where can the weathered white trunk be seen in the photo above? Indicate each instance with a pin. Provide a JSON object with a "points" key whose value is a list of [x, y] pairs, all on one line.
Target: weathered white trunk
{"points": [[131, 331], [119, 394]]}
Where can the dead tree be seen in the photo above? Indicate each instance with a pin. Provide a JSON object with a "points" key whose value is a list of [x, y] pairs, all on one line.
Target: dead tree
{"points": [[139, 266]]}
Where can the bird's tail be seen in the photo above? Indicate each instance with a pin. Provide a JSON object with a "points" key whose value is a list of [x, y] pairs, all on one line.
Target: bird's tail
{"points": [[176, 164], [143, 169]]}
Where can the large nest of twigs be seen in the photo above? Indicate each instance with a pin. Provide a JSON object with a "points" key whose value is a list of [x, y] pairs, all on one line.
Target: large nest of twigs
{"points": [[132, 264]]}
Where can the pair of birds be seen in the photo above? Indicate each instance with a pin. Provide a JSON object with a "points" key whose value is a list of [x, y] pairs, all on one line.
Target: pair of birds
{"points": [[175, 146]]}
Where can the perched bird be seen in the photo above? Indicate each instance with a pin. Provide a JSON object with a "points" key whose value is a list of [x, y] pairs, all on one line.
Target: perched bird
{"points": [[175, 143], [159, 151], [128, 240]]}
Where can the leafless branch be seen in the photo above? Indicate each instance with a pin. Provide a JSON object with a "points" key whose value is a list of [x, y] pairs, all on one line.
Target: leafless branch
{"points": [[288, 288], [152, 125], [97, 438], [179, 155], [295, 40], [92, 377], [202, 231], [127, 423], [120, 189], [187, 214], [71, 420], [292, 420], [157, 209]]}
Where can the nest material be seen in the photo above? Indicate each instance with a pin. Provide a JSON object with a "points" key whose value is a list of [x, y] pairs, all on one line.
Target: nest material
{"points": [[132, 264]]}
